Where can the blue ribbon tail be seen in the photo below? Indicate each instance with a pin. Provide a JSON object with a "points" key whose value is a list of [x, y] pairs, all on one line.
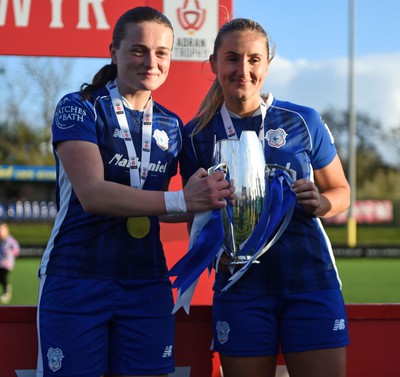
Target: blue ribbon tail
{"points": [[280, 207], [205, 244], [184, 298]]}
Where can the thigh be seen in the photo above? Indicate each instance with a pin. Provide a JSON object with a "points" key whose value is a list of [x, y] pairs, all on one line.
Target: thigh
{"points": [[261, 366], [72, 320], [329, 362], [245, 325], [142, 328]]}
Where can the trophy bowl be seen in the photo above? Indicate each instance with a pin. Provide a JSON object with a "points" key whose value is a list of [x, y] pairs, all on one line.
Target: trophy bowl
{"points": [[244, 162], [236, 236]]}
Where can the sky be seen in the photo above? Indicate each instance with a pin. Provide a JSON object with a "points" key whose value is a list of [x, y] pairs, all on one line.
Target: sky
{"points": [[312, 48], [311, 64]]}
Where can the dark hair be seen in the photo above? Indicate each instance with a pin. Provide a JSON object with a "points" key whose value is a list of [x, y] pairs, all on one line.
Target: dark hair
{"points": [[214, 97], [136, 15]]}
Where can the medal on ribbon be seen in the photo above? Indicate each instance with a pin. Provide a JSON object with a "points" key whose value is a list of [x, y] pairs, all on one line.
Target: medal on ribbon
{"points": [[138, 227]]}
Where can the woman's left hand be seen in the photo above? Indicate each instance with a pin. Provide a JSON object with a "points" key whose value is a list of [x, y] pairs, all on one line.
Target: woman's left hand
{"points": [[307, 195]]}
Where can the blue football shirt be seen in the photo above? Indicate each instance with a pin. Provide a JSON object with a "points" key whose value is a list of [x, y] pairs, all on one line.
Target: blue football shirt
{"points": [[295, 137], [86, 245]]}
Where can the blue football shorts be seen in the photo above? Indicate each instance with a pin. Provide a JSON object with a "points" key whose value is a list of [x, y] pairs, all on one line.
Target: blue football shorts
{"points": [[258, 325], [89, 327]]}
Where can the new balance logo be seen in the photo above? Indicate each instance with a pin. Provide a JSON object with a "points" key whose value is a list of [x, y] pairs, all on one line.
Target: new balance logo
{"points": [[339, 325], [167, 351]]}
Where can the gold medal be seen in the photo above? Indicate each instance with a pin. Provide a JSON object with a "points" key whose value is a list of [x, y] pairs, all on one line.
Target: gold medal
{"points": [[138, 227]]}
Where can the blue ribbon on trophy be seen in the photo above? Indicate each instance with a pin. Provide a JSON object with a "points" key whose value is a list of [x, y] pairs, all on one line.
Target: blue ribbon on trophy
{"points": [[244, 231]]}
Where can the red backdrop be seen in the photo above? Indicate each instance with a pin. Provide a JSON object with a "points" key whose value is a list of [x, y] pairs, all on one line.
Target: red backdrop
{"points": [[373, 352]]}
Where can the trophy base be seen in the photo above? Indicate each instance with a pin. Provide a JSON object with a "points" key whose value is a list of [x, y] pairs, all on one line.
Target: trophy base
{"points": [[230, 259], [241, 259]]}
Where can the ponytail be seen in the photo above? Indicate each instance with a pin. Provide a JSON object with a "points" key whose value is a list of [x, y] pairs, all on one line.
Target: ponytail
{"points": [[100, 79], [209, 106]]}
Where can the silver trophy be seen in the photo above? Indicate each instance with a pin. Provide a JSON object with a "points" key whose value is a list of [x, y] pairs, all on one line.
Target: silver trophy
{"points": [[243, 162], [235, 237]]}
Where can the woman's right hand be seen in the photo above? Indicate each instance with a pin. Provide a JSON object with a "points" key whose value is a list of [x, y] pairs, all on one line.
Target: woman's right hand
{"points": [[203, 192]]}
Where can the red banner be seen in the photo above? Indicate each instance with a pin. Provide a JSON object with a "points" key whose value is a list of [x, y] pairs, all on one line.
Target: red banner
{"points": [[76, 28], [366, 212], [83, 28]]}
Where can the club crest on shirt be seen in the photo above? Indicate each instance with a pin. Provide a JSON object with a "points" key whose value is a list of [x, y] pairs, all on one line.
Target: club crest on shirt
{"points": [[222, 331], [55, 356], [276, 138], [161, 138]]}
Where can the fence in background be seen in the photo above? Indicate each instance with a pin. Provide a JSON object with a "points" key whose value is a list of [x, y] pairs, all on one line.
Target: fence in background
{"points": [[28, 211]]}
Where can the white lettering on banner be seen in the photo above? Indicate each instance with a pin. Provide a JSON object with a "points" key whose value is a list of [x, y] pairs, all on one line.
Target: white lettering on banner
{"points": [[56, 14], [22, 10], [98, 12]]}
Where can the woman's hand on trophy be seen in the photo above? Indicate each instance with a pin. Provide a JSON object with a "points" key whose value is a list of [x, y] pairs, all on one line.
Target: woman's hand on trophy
{"points": [[307, 195], [232, 196], [203, 191]]}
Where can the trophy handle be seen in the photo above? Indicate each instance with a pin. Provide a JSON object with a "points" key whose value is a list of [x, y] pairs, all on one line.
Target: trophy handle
{"points": [[219, 167], [270, 169], [229, 238]]}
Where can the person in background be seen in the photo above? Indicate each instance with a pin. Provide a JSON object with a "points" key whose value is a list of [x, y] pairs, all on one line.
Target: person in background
{"points": [[105, 299], [291, 300], [9, 251]]}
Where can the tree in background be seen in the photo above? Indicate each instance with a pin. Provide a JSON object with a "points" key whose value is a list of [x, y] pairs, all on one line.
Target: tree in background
{"points": [[25, 135], [376, 179], [20, 144]]}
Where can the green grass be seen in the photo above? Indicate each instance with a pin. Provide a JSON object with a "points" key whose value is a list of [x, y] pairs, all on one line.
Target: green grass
{"points": [[24, 281], [37, 234], [365, 280], [366, 235], [32, 234], [370, 280]]}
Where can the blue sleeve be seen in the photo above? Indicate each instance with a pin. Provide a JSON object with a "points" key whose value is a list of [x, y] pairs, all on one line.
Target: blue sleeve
{"points": [[74, 119], [323, 149]]}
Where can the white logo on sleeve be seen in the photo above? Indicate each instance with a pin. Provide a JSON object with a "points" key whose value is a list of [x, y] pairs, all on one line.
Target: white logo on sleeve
{"points": [[68, 114]]}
